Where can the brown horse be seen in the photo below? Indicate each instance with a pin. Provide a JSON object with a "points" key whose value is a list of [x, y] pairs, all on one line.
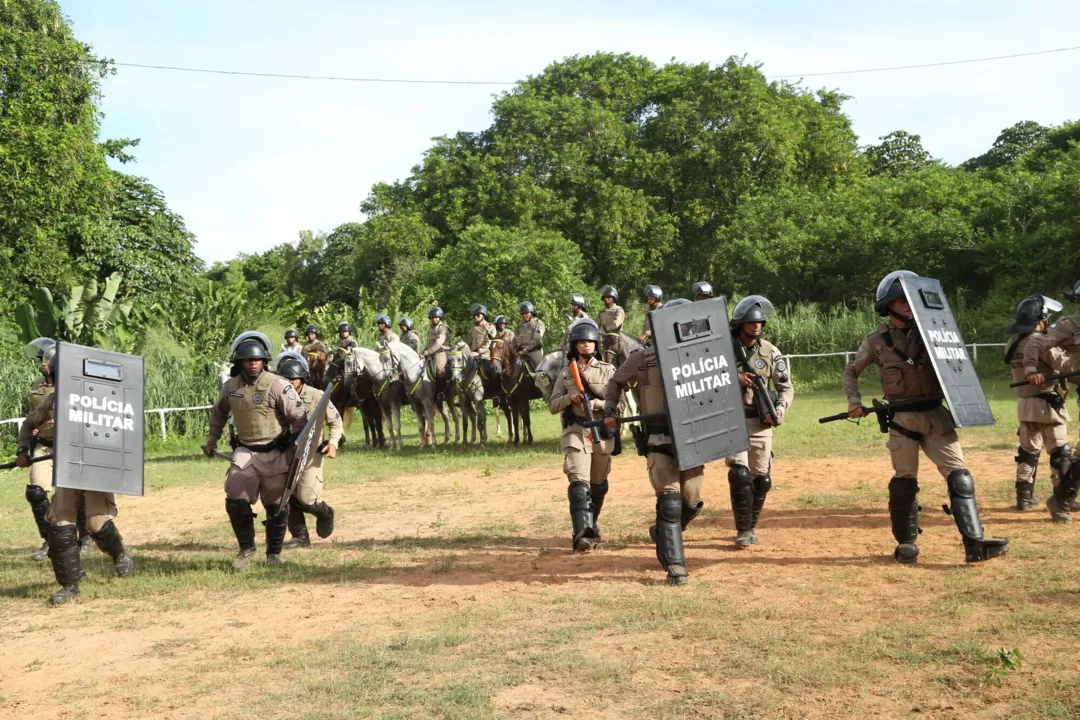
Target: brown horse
{"points": [[520, 389]]}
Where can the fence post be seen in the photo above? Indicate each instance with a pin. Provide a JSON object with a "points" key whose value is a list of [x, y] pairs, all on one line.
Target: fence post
{"points": [[161, 414], [975, 352]]}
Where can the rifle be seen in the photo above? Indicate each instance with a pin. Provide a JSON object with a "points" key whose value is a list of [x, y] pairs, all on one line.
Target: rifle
{"points": [[1049, 378], [575, 373], [885, 410], [39, 458], [765, 406]]}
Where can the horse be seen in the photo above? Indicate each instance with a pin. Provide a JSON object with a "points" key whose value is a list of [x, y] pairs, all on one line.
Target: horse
{"points": [[520, 389], [469, 386], [317, 370], [548, 371], [379, 382], [419, 387], [353, 391]]}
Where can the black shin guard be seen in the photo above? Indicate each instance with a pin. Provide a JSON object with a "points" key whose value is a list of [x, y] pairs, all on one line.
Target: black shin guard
{"points": [[80, 521], [297, 524], [689, 513], [903, 509], [324, 519], [965, 513], [597, 492], [39, 506], [243, 522], [64, 554], [581, 514], [669, 540], [761, 486], [742, 497], [1069, 482], [1061, 460], [109, 541], [276, 521]]}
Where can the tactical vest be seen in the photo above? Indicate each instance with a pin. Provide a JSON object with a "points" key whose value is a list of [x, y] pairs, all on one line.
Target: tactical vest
{"points": [[256, 423], [761, 362], [903, 376], [310, 397], [39, 391], [607, 319], [650, 391], [412, 340], [480, 340]]}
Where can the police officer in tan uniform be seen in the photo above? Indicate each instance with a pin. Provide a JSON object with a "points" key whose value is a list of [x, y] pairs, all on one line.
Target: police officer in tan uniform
{"points": [[503, 336], [481, 335], [383, 325], [702, 290], [586, 464], [750, 472], [654, 297], [907, 374], [577, 312], [267, 414], [528, 340], [1064, 334], [292, 341], [1040, 411], [63, 512], [438, 339], [408, 333], [313, 349], [611, 320], [678, 492], [307, 496]]}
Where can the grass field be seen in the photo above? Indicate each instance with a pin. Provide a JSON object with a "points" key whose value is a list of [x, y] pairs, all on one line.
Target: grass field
{"points": [[448, 590]]}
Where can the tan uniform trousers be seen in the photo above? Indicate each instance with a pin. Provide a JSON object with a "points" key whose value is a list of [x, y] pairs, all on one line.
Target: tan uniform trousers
{"points": [[939, 442], [41, 472], [309, 488], [255, 475], [64, 508], [1033, 435], [439, 358], [759, 457], [582, 460], [665, 476]]}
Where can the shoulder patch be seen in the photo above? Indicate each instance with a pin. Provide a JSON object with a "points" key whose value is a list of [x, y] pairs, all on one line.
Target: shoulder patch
{"points": [[291, 394], [257, 398], [781, 367]]}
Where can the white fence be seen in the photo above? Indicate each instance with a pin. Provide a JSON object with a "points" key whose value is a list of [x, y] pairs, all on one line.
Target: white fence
{"points": [[846, 355]]}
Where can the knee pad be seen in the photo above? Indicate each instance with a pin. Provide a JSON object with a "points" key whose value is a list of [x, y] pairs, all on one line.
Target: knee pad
{"points": [[961, 484], [1023, 457], [903, 490], [238, 509], [578, 492], [598, 490], [739, 476], [106, 533], [1061, 458], [36, 495], [762, 485], [62, 537], [669, 508]]}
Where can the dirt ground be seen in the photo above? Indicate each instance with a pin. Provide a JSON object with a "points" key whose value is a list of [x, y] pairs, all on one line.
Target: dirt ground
{"points": [[818, 598]]}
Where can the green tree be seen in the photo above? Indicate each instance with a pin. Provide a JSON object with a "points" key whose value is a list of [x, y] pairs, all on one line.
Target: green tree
{"points": [[897, 154]]}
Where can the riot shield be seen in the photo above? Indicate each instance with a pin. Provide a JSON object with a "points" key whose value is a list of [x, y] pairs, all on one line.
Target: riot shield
{"points": [[947, 352], [701, 385], [99, 420], [307, 444]]}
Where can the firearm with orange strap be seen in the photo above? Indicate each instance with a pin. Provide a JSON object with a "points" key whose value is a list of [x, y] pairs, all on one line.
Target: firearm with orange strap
{"points": [[575, 373]]}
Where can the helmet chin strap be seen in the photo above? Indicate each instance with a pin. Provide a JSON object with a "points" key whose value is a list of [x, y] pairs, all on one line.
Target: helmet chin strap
{"points": [[909, 319]]}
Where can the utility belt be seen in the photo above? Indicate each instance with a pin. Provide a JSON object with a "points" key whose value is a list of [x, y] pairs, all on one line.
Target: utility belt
{"points": [[40, 441], [570, 418], [886, 423], [1052, 399], [641, 439], [281, 442]]}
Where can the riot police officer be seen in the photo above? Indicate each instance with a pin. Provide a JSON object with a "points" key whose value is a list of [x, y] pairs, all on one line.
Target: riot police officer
{"points": [[907, 374], [307, 495], [346, 342], [267, 414], [62, 541], [503, 336], [528, 340], [408, 333], [292, 342], [577, 312], [750, 472], [586, 464], [313, 349], [438, 340], [702, 290], [678, 492], [383, 324], [481, 334], [654, 297], [611, 321]]}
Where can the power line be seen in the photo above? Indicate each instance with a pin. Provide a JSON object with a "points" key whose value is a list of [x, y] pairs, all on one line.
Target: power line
{"points": [[413, 81]]}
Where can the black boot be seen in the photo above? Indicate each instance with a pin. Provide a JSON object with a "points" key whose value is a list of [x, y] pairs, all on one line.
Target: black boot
{"points": [[668, 537], [1061, 503], [1025, 495], [109, 540], [597, 493], [276, 520], [39, 506], [243, 525], [966, 514], [64, 554], [297, 527], [742, 504], [904, 514], [324, 520], [581, 517], [689, 513], [762, 485]]}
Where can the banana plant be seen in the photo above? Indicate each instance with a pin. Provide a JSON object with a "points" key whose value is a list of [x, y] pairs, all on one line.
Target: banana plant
{"points": [[88, 315]]}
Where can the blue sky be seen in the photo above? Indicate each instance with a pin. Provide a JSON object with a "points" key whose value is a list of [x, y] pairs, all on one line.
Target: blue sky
{"points": [[249, 161]]}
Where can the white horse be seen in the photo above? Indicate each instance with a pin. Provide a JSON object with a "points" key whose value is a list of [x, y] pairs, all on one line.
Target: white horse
{"points": [[418, 386]]}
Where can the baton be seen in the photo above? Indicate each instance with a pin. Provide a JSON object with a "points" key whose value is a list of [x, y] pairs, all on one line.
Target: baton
{"points": [[899, 406], [1049, 378], [39, 458], [221, 455], [591, 423], [628, 419]]}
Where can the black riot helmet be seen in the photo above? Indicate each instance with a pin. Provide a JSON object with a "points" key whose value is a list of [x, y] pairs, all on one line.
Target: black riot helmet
{"points": [[526, 307], [577, 299], [890, 289], [752, 308], [702, 289], [436, 312], [1074, 296], [500, 320], [344, 327], [250, 345], [479, 309], [1032, 311], [50, 357], [36, 348], [291, 365], [311, 329], [583, 329], [382, 319], [609, 291], [654, 291], [406, 322], [291, 333]]}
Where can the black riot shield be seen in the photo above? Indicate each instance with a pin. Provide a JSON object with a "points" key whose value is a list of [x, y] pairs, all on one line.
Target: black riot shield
{"points": [[701, 385], [99, 420], [307, 444], [947, 352]]}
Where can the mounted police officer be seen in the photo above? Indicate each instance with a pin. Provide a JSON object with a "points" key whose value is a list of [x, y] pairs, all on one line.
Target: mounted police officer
{"points": [[62, 541], [480, 335], [577, 312], [528, 340], [1064, 334], [503, 336], [383, 323], [438, 341], [292, 341], [750, 472], [702, 290], [586, 464], [307, 496], [313, 349], [611, 321], [268, 414], [346, 342], [654, 298], [408, 333], [907, 374], [678, 492]]}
